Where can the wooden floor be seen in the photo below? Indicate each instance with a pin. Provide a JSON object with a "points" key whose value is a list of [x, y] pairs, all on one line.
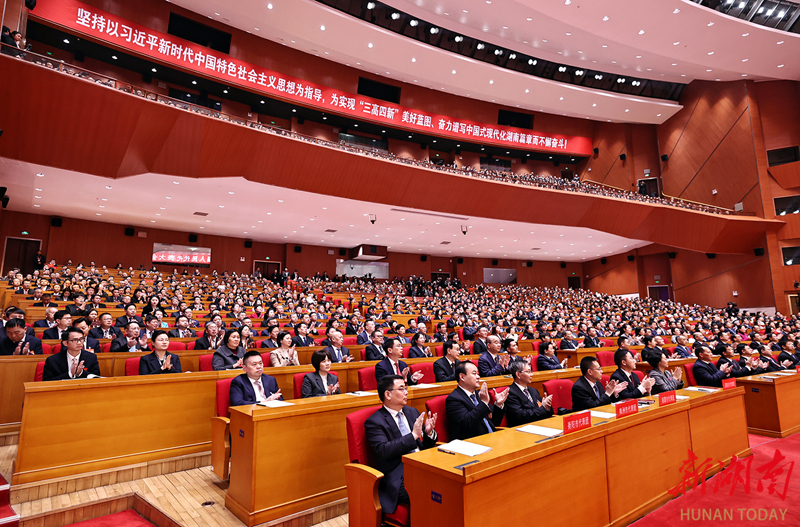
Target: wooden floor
{"points": [[180, 495]]}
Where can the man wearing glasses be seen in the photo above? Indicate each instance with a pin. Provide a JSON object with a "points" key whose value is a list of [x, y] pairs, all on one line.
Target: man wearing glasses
{"points": [[393, 431], [73, 362]]}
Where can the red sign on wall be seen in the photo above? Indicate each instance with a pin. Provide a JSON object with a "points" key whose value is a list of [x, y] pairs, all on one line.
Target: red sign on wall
{"points": [[666, 398], [575, 422], [625, 408], [728, 384], [104, 26]]}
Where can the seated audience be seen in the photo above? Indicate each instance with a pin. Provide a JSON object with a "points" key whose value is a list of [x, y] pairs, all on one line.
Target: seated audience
{"points": [[301, 338], [16, 340], [49, 319], [253, 386], [664, 379], [524, 404], [444, 369], [129, 316], [337, 351], [211, 338], [547, 358], [491, 363], [230, 354], [392, 365], [106, 329], [272, 337], [704, 371], [247, 337], [285, 354], [161, 360], [375, 350], [626, 365], [132, 340], [90, 344], [752, 364], [321, 381], [72, 362], [418, 348], [592, 340], [587, 392], [468, 414], [63, 322], [182, 329]]}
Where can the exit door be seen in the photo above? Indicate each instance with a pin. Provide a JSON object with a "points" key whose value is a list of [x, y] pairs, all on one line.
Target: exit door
{"points": [[19, 254]]}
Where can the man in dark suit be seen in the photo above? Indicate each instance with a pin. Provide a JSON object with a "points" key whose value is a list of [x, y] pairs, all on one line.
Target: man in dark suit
{"points": [[106, 329], [63, 321], [73, 362], [338, 353], [441, 333], [393, 431], [211, 339], [524, 404], [90, 344], [624, 374], [182, 329], [16, 340], [401, 334], [131, 341], [491, 363], [392, 365], [49, 319], [470, 414], [682, 351], [301, 339], [568, 343], [592, 340], [772, 364], [479, 346], [45, 301], [587, 392], [444, 369], [789, 353], [375, 350], [365, 336], [704, 371], [129, 316], [253, 386], [77, 308]]}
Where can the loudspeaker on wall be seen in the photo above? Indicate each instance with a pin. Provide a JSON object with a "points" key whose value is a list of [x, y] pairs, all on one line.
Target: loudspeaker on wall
{"points": [[495, 262], [424, 258], [603, 261], [460, 260], [128, 231], [711, 256], [563, 265], [672, 255], [664, 157], [623, 157], [192, 238], [298, 248], [248, 244], [759, 251], [631, 257], [55, 222]]}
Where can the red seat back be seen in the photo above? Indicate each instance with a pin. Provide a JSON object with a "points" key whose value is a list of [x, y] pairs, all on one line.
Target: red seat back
{"points": [[536, 345], [298, 385], [349, 341], [107, 347], [205, 362], [426, 368], [460, 333], [56, 348], [492, 394], [437, 406], [439, 350], [37, 377], [605, 379], [405, 352], [607, 343], [534, 362], [46, 349], [605, 358], [561, 390], [132, 366], [318, 341], [266, 360], [366, 379], [690, 374], [639, 374], [176, 346], [190, 345], [358, 448], [224, 397]]}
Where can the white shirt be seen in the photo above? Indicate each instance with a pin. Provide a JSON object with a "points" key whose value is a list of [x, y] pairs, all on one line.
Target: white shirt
{"points": [[470, 394], [71, 362], [640, 387], [394, 414], [259, 398], [395, 368]]}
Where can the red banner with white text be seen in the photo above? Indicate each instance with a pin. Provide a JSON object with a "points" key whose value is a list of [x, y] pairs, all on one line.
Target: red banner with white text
{"points": [[116, 31]]}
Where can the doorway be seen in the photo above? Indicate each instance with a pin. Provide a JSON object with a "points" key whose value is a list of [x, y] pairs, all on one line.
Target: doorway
{"points": [[574, 282], [266, 267], [794, 304], [649, 187], [436, 276], [19, 254], [658, 292]]}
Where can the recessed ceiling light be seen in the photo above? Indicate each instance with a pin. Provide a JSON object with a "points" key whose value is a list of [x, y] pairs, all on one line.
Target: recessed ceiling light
{"points": [[38, 197], [176, 182], [153, 70], [745, 60], [453, 72], [269, 6], [675, 43], [491, 82], [745, 34], [107, 186], [322, 28], [658, 115], [605, 45], [780, 42], [37, 205], [114, 57], [781, 65], [710, 24], [710, 52], [168, 197], [38, 190], [638, 56], [529, 19], [676, 11], [224, 91], [369, 45], [605, 19], [66, 41], [641, 31]]}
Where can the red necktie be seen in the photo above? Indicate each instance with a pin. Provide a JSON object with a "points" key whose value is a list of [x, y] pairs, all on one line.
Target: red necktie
{"points": [[397, 368]]}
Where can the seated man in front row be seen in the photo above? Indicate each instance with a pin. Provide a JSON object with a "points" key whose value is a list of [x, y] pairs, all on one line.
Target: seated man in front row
{"points": [[393, 431], [625, 366], [16, 340], [253, 386], [468, 414], [392, 365], [524, 404], [587, 392], [72, 362]]}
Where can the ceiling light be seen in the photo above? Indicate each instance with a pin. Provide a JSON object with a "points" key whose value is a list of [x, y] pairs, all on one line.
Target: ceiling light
{"points": [[675, 43], [322, 28], [569, 34], [779, 42], [42, 175], [562, 69], [528, 91], [225, 91], [262, 102], [532, 62], [710, 52], [605, 19], [269, 6], [153, 70], [459, 38], [710, 24], [370, 5], [658, 115], [481, 46], [745, 34], [745, 60], [676, 11], [114, 57], [742, 4], [498, 52], [491, 82], [108, 187], [434, 30], [194, 82], [38, 197], [594, 104], [561, 98], [369, 45], [641, 31], [168, 197], [66, 41], [395, 16], [512, 56], [627, 110], [781, 65], [579, 72], [453, 72], [413, 23], [413, 59]]}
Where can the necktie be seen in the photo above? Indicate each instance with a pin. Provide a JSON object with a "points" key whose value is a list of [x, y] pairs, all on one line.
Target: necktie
{"points": [[597, 391], [485, 421], [397, 368], [107, 333], [403, 427], [260, 395], [180, 332], [72, 362], [528, 395], [338, 354]]}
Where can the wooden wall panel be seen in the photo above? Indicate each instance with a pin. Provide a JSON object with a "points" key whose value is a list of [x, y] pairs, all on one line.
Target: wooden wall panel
{"points": [[320, 131], [651, 265], [313, 258], [670, 132], [617, 276], [643, 152], [779, 102], [606, 166]]}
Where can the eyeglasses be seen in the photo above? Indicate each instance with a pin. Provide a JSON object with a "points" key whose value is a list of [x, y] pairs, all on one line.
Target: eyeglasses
{"points": [[81, 340]]}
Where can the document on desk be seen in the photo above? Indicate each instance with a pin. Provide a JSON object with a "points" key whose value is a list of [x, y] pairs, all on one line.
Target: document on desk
{"points": [[275, 404], [425, 386], [699, 389], [682, 397], [769, 377], [603, 415], [457, 446], [360, 394], [784, 373], [540, 430]]}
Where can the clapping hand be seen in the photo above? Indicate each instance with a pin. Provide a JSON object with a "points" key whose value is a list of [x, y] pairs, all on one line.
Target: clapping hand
{"points": [[786, 364], [430, 423], [483, 393], [275, 396], [238, 363], [418, 424], [677, 373], [332, 388], [404, 373], [167, 363], [726, 367], [564, 363], [547, 402], [648, 383], [143, 340], [347, 358], [416, 377], [26, 350], [500, 398], [78, 371]]}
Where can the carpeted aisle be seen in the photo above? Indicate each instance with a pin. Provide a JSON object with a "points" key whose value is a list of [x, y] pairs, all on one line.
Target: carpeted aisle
{"points": [[758, 508], [128, 518]]}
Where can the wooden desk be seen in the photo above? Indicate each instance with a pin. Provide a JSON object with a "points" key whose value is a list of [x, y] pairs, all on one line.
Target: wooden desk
{"points": [[596, 464], [308, 441], [772, 404]]}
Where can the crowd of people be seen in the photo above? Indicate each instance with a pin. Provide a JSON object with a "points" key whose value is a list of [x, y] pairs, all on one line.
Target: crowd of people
{"points": [[502, 176]]}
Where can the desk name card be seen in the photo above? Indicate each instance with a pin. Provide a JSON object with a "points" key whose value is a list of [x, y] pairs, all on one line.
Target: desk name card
{"points": [[728, 384], [666, 398], [625, 408], [575, 422]]}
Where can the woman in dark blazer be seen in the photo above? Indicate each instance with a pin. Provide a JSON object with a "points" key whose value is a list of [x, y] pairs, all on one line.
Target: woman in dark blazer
{"points": [[230, 354], [418, 347], [321, 381], [160, 361], [666, 380]]}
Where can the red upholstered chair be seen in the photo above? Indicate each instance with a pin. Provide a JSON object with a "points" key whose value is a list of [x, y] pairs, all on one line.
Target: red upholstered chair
{"points": [[639, 374], [605, 358], [536, 345], [349, 341], [439, 350], [561, 390], [492, 394], [426, 368], [364, 507], [318, 341], [199, 333], [220, 430], [205, 362], [190, 345], [460, 333], [607, 343], [46, 349], [604, 380], [366, 379], [690, 374], [176, 346], [56, 348], [534, 362], [437, 406], [265, 359], [107, 347], [132, 366], [405, 352], [37, 377], [298, 384]]}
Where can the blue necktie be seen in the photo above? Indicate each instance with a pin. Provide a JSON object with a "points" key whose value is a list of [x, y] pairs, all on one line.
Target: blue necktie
{"points": [[597, 391], [485, 421]]}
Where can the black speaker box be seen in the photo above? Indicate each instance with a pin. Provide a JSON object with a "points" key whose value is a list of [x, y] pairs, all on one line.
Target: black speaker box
{"points": [[631, 257], [603, 261], [529, 264], [147, 78], [300, 120], [623, 157], [248, 244], [128, 231], [563, 265], [79, 56], [711, 256], [664, 157], [458, 151], [342, 252], [759, 251], [55, 222], [192, 238], [495, 262], [423, 146], [298, 248], [460, 260], [424, 258], [596, 150], [672, 255]]}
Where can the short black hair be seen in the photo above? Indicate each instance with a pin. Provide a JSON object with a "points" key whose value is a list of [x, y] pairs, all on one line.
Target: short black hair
{"points": [[621, 339], [129, 305], [699, 349], [586, 363], [61, 313], [619, 356], [15, 323], [389, 343], [65, 335], [647, 340], [82, 319], [448, 345], [461, 368], [318, 356], [507, 343], [385, 384], [281, 336], [655, 358], [158, 333], [251, 353], [131, 322]]}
